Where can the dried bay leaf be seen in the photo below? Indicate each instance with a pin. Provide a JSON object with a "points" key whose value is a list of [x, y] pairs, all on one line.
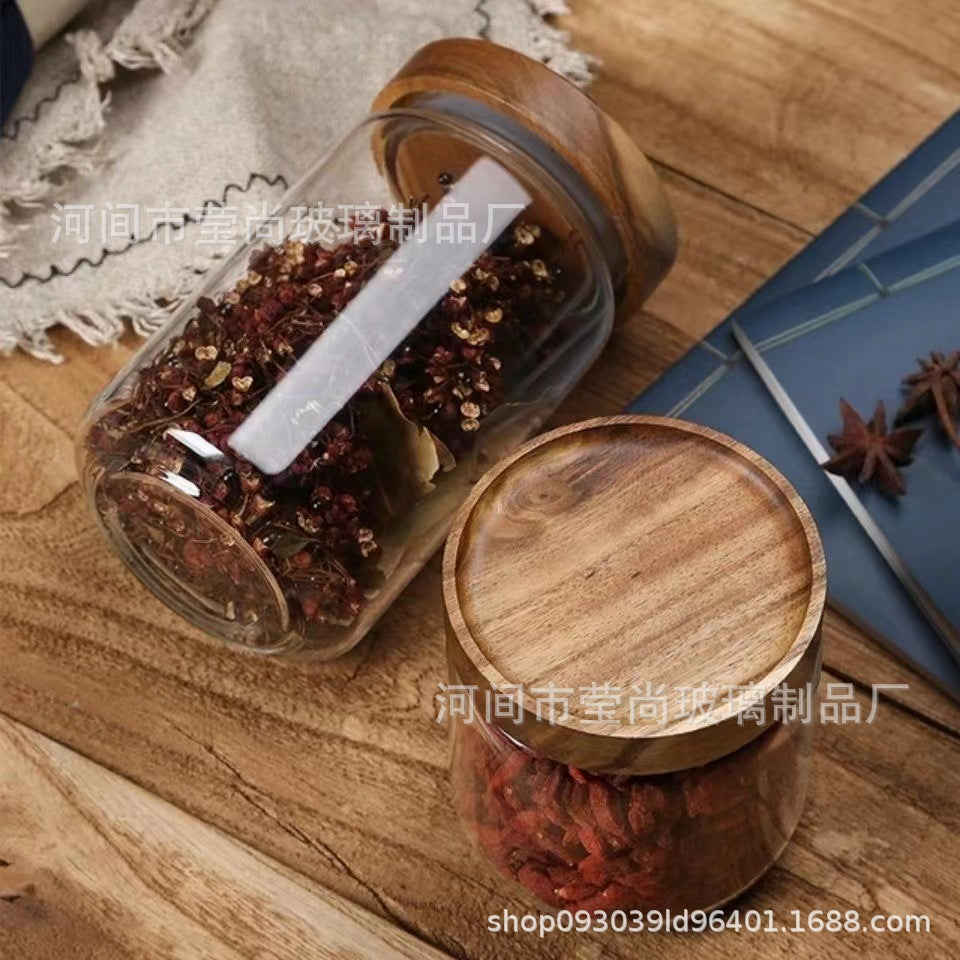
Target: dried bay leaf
{"points": [[408, 456]]}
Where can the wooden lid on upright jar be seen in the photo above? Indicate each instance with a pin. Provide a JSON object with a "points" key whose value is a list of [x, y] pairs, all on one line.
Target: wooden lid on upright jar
{"points": [[646, 556], [573, 129]]}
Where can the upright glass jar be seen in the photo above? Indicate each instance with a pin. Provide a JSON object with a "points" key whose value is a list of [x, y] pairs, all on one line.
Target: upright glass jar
{"points": [[284, 455], [633, 632]]}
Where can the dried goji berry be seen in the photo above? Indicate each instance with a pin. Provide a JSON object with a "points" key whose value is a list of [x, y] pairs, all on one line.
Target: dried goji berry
{"points": [[645, 888], [571, 838], [604, 805], [591, 841], [576, 891], [563, 876], [639, 815], [649, 859], [538, 882], [590, 838], [595, 869], [509, 770], [699, 797], [654, 797], [612, 897]]}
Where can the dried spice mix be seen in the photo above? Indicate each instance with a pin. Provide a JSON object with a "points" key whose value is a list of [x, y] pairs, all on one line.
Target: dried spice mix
{"points": [[322, 526], [287, 453]]}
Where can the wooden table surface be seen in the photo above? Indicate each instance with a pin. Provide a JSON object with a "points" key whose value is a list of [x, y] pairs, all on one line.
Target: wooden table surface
{"points": [[161, 797]]}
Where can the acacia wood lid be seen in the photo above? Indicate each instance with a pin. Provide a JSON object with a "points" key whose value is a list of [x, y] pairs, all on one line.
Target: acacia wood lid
{"points": [[632, 550], [571, 125]]}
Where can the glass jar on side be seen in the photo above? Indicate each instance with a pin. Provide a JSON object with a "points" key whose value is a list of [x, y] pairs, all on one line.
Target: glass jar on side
{"points": [[284, 455]]}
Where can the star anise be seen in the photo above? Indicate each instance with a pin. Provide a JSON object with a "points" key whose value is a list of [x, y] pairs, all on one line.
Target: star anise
{"points": [[866, 452], [935, 387]]}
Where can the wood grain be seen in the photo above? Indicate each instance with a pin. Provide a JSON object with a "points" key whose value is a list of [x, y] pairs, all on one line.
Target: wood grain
{"points": [[39, 465], [793, 107], [93, 866], [572, 563], [339, 772], [854, 657], [573, 127], [765, 120]]}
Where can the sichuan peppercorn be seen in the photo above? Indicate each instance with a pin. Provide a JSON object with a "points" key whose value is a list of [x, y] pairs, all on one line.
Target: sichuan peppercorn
{"points": [[319, 524]]}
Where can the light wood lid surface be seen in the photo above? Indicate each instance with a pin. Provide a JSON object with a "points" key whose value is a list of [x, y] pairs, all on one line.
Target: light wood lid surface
{"points": [[634, 550], [570, 124]]}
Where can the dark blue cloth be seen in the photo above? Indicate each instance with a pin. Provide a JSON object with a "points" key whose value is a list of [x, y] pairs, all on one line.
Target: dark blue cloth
{"points": [[16, 55]]}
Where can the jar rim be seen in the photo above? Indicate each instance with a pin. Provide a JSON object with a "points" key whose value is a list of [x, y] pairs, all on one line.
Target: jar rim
{"points": [[577, 204], [162, 580], [463, 113], [571, 124]]}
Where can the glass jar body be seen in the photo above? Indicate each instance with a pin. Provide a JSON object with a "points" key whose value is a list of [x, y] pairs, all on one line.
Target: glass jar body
{"points": [[286, 453], [693, 839]]}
